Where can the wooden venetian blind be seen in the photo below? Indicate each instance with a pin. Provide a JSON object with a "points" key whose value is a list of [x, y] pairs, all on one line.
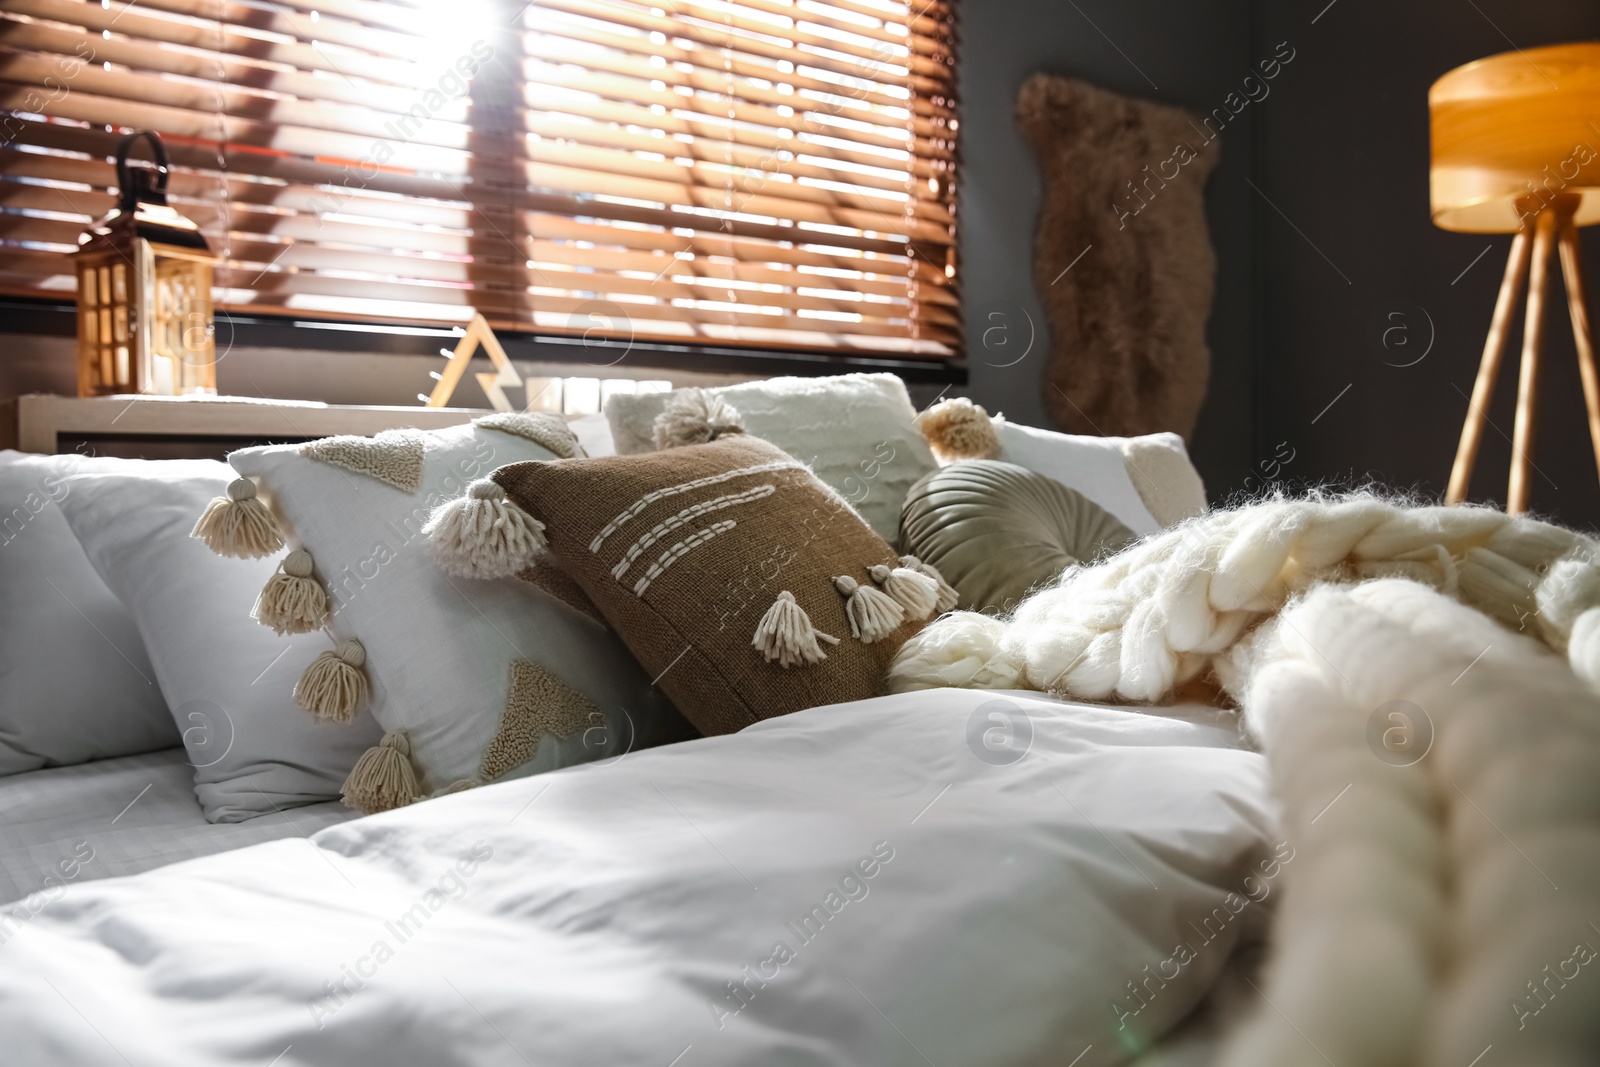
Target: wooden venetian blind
{"points": [[759, 172]]}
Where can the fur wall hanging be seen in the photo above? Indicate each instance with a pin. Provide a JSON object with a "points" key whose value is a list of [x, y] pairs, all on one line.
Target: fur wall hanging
{"points": [[1123, 260]]}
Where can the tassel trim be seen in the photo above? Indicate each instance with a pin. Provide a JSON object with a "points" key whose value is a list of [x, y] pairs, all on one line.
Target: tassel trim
{"points": [[333, 688], [911, 589], [483, 534], [292, 602], [384, 778], [239, 524], [948, 597], [786, 637], [873, 614]]}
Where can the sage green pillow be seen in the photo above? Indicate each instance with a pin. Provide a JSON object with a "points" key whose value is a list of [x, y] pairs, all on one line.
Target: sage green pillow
{"points": [[996, 530]]}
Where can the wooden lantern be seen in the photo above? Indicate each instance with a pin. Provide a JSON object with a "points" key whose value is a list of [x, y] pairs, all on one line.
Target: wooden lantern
{"points": [[144, 291]]}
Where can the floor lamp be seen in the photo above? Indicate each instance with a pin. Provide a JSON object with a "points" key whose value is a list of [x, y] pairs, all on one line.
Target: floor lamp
{"points": [[1516, 149]]}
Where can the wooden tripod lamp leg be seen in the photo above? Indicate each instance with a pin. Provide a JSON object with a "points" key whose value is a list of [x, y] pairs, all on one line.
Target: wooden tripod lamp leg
{"points": [[1582, 335], [1520, 488], [1489, 368]]}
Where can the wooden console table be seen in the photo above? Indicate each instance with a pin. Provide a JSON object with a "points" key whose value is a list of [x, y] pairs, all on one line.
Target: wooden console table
{"points": [[37, 422]]}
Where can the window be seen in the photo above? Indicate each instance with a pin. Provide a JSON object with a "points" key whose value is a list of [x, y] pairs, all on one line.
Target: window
{"points": [[767, 173]]}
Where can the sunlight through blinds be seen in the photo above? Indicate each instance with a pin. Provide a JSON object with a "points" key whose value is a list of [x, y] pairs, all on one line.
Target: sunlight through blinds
{"points": [[758, 173]]}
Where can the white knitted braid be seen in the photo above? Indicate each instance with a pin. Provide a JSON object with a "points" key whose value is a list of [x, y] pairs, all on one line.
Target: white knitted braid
{"points": [[1165, 610], [1433, 901]]}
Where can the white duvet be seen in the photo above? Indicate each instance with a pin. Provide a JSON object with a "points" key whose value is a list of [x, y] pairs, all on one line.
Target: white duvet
{"points": [[943, 878]]}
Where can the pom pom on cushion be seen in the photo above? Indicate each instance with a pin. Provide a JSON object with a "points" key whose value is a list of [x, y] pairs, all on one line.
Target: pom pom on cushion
{"points": [[239, 524], [873, 614], [959, 429], [786, 637], [911, 589], [695, 417], [948, 597], [484, 535], [383, 778], [333, 687], [293, 602]]}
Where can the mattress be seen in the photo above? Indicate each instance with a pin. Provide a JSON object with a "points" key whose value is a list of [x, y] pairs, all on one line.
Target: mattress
{"points": [[121, 816]]}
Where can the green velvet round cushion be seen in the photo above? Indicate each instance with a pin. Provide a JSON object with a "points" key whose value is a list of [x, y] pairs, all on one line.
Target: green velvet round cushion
{"points": [[996, 530]]}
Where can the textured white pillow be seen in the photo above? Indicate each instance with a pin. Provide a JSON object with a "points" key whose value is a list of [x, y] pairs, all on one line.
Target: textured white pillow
{"points": [[1147, 482], [441, 652], [75, 682], [1167, 481], [226, 678], [858, 433], [594, 434]]}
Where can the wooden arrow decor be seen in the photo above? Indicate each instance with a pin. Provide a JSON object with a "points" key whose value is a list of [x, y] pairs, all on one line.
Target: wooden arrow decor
{"points": [[494, 385]]}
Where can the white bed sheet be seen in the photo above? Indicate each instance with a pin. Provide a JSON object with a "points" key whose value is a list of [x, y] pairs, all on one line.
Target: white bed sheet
{"points": [[1198, 1040], [610, 913], [113, 817]]}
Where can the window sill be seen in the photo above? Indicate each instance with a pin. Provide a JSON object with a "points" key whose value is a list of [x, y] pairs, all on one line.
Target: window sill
{"points": [[20, 315]]}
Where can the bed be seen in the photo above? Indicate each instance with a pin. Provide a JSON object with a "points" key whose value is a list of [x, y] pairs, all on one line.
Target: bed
{"points": [[122, 816], [630, 912], [1215, 798]]}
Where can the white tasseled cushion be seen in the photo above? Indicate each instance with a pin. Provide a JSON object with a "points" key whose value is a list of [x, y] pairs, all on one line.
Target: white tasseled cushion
{"points": [[439, 649]]}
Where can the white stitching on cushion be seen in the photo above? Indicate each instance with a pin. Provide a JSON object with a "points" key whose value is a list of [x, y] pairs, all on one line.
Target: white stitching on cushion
{"points": [[693, 511]]}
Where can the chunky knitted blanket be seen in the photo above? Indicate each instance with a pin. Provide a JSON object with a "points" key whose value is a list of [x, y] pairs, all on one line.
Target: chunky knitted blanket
{"points": [[1422, 681]]}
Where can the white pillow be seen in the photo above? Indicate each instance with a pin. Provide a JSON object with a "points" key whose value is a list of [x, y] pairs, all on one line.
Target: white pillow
{"points": [[1147, 482], [226, 678], [858, 433], [75, 682], [594, 434], [441, 652]]}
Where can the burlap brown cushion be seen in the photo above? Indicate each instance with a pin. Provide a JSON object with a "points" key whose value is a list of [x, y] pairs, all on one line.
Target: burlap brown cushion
{"points": [[684, 551]]}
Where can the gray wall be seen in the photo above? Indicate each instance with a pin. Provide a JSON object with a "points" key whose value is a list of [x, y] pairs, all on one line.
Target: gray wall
{"points": [[1344, 153], [1195, 54], [1335, 248]]}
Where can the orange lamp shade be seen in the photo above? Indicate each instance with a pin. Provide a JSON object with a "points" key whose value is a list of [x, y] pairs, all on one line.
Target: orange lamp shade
{"points": [[1512, 133]]}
